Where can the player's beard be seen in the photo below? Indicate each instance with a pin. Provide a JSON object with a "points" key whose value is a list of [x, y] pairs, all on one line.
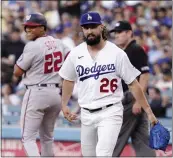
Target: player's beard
{"points": [[94, 41]]}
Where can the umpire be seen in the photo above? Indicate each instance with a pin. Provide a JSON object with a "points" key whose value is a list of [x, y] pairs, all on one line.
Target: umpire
{"points": [[135, 122]]}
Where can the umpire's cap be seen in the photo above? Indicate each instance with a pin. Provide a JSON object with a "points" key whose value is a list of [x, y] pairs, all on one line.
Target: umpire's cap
{"points": [[35, 19], [121, 26], [90, 18]]}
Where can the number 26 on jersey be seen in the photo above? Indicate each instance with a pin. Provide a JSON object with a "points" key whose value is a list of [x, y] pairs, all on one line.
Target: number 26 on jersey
{"points": [[107, 86]]}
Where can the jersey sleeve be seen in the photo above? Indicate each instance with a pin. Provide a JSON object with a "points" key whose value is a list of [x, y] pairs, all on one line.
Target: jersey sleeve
{"points": [[126, 70], [66, 50], [67, 70], [27, 57]]}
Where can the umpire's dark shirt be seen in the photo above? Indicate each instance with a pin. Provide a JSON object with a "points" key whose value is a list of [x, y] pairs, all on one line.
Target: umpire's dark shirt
{"points": [[138, 58]]}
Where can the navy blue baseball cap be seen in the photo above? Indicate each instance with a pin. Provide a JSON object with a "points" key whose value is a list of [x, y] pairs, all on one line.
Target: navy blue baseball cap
{"points": [[35, 19], [90, 18]]}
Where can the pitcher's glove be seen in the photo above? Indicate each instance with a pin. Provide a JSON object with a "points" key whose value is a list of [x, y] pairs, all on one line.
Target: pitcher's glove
{"points": [[159, 137]]}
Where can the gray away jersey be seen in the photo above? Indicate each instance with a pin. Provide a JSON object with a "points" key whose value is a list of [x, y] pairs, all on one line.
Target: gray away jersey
{"points": [[42, 59]]}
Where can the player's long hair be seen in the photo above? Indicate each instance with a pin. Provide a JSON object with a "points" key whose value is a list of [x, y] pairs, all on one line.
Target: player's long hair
{"points": [[105, 33]]}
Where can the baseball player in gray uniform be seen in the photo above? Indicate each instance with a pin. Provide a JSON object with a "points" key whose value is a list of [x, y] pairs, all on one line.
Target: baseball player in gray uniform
{"points": [[39, 65], [98, 66]]}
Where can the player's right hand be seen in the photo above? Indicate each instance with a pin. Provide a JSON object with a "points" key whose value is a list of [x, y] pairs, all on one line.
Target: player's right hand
{"points": [[67, 114], [136, 109], [153, 120]]}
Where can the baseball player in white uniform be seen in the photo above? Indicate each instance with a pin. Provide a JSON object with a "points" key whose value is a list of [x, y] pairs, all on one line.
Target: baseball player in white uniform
{"points": [[98, 66], [39, 64]]}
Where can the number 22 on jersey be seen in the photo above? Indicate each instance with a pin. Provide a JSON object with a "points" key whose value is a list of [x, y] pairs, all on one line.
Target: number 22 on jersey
{"points": [[52, 61]]}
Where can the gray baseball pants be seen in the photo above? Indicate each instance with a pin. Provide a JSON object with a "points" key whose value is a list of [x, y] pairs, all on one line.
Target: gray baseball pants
{"points": [[40, 108]]}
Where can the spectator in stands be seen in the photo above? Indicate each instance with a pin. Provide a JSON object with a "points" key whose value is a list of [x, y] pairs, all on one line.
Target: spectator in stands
{"points": [[155, 51], [165, 63], [166, 81], [155, 74], [9, 98], [164, 34], [52, 17], [63, 34], [76, 30], [165, 86], [68, 29], [6, 73], [168, 17], [167, 51], [12, 48], [155, 101], [141, 20], [71, 7]]}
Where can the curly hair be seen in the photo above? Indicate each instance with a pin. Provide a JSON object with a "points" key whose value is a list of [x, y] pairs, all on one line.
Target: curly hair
{"points": [[105, 33]]}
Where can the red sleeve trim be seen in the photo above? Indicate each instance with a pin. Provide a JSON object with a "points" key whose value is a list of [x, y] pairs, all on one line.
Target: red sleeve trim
{"points": [[66, 55]]}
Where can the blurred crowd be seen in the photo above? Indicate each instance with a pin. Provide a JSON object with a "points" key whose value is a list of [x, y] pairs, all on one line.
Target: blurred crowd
{"points": [[151, 22]]}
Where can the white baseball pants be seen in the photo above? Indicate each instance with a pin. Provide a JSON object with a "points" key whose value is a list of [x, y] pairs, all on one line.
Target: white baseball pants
{"points": [[100, 130]]}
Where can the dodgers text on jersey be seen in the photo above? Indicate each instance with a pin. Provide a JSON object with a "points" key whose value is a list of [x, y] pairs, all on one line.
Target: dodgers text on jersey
{"points": [[94, 71]]}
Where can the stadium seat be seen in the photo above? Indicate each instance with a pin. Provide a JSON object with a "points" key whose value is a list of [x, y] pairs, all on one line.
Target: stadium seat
{"points": [[167, 122], [7, 119], [169, 112], [14, 109]]}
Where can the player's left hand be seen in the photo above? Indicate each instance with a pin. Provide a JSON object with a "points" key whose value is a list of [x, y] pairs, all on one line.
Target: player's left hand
{"points": [[136, 109]]}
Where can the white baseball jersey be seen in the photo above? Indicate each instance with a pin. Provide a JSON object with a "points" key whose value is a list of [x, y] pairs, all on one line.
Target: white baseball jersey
{"points": [[42, 59], [99, 79]]}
